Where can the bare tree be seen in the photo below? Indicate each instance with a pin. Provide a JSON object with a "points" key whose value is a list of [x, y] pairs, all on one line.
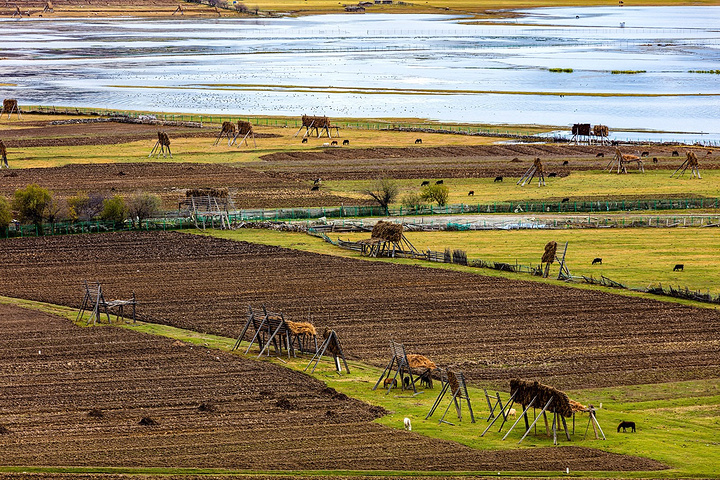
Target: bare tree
{"points": [[142, 206], [384, 192]]}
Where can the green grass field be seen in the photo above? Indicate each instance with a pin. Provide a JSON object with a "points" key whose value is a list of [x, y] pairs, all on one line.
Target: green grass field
{"points": [[677, 422]]}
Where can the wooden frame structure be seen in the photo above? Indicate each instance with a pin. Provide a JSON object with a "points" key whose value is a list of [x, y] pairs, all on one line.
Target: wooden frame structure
{"points": [[602, 133], [453, 382], [10, 105], [330, 344], [535, 395], [163, 142], [581, 133], [272, 328], [691, 161], [619, 162], [208, 204], [246, 129], [550, 256], [399, 360], [94, 302], [228, 130], [3, 155], [536, 168], [317, 124]]}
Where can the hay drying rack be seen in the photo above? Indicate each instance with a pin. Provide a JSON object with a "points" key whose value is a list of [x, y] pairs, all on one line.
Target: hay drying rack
{"points": [[205, 205], [95, 303]]}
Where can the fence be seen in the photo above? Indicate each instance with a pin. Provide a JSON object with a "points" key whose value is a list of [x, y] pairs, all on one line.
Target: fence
{"points": [[70, 228]]}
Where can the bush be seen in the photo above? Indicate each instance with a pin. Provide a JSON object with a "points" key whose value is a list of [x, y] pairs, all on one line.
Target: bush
{"points": [[142, 206], [435, 193], [411, 200], [31, 204], [5, 215], [114, 210], [85, 207]]}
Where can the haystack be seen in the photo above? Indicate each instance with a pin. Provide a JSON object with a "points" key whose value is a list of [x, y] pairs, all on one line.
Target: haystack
{"points": [[207, 192], [550, 250], [392, 232], [453, 381], [601, 130], [228, 128], [301, 328], [582, 129], [525, 391], [420, 361], [244, 127], [333, 346], [538, 166], [10, 105]]}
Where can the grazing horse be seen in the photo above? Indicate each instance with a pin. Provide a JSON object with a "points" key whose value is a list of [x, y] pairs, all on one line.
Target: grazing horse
{"points": [[597, 260], [680, 267], [624, 425], [498, 179]]}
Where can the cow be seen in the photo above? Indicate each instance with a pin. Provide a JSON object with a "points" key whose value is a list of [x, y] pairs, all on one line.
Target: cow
{"points": [[390, 381], [315, 188], [624, 425], [317, 181], [418, 140], [439, 182], [426, 379], [601, 154], [471, 193], [566, 163], [552, 174], [680, 267], [645, 154], [334, 142], [424, 183], [655, 160], [498, 179], [597, 260], [304, 140], [565, 200], [675, 153], [346, 142], [614, 143]]}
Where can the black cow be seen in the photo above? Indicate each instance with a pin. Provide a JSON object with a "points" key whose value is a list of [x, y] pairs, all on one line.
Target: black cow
{"points": [[498, 179], [552, 174], [418, 140], [675, 153], [680, 267], [304, 140], [601, 154], [426, 380], [315, 187], [597, 260], [655, 160], [406, 383], [425, 183], [334, 142], [645, 154], [624, 425], [346, 142], [566, 163], [439, 182], [471, 193], [565, 200]]}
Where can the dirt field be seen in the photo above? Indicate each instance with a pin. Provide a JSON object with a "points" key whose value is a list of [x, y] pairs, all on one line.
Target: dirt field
{"points": [[491, 328], [54, 375]]}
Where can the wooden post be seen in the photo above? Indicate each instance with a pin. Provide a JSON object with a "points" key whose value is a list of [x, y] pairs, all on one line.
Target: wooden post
{"points": [[536, 419], [524, 415]]}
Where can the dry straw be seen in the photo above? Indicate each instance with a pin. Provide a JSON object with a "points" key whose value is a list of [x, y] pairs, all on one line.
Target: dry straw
{"points": [[301, 328], [550, 250], [524, 392], [207, 192], [392, 232], [420, 361]]}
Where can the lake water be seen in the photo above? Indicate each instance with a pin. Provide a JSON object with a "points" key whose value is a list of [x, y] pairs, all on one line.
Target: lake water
{"points": [[377, 66]]}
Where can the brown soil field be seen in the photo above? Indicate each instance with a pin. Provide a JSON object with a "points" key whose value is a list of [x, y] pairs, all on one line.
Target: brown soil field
{"points": [[250, 188], [491, 328], [108, 8], [75, 396]]}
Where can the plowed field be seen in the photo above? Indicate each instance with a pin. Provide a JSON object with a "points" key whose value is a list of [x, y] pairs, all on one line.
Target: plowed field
{"points": [[491, 328], [255, 415]]}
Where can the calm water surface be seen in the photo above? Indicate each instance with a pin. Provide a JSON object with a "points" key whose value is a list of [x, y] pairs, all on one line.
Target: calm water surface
{"points": [[375, 66]]}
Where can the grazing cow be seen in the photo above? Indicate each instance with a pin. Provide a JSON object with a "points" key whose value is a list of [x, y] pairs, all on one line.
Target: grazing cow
{"points": [[317, 181], [597, 260], [346, 142], [601, 154], [552, 174], [425, 182], [645, 154], [418, 140], [334, 142], [426, 379], [675, 153], [566, 163], [655, 160], [498, 179], [390, 381], [408, 426], [406, 383], [614, 143], [565, 200], [439, 182], [624, 425], [315, 188], [471, 193], [680, 267], [304, 140]]}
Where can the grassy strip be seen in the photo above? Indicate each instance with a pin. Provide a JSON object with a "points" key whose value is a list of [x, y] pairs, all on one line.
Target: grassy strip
{"points": [[677, 422]]}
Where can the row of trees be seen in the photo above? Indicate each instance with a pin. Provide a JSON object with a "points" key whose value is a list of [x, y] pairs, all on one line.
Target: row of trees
{"points": [[36, 205], [386, 191]]}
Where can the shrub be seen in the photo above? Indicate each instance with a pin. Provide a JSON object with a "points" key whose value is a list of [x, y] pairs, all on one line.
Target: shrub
{"points": [[435, 193], [31, 204], [85, 207], [411, 200], [5, 215], [114, 210], [142, 206]]}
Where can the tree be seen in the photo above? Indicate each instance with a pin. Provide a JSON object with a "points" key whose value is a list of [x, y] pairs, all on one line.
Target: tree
{"points": [[384, 192], [114, 210], [5, 215], [142, 206], [435, 193], [31, 204], [85, 207]]}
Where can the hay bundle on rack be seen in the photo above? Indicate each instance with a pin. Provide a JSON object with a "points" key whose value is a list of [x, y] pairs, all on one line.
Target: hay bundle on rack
{"points": [[163, 139], [453, 381], [549, 255], [301, 328], [578, 407], [207, 192], [538, 166], [692, 159], [391, 232], [600, 130], [10, 105], [581, 129], [420, 361], [244, 127], [228, 128], [333, 346], [525, 391]]}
